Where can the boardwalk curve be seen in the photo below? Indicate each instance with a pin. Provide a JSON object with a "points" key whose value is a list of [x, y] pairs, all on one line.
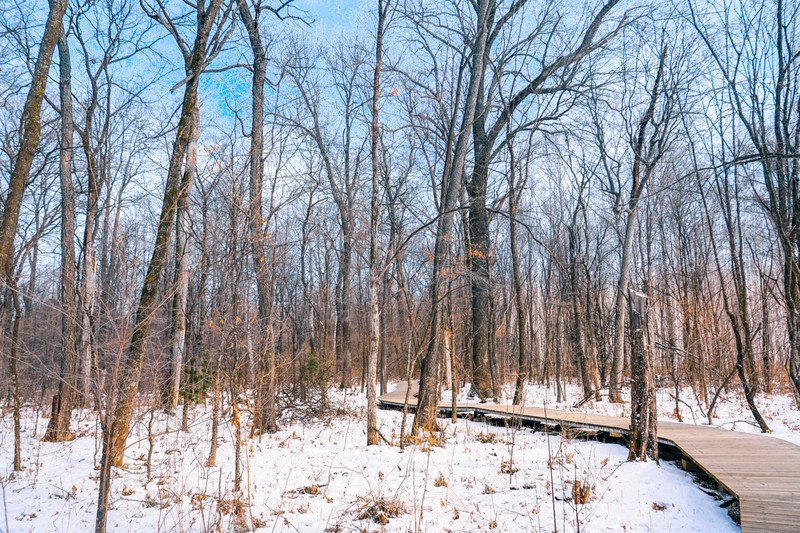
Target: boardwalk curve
{"points": [[763, 472]]}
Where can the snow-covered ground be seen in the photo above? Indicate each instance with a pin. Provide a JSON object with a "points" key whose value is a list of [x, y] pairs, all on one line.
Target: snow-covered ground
{"points": [[320, 477]]}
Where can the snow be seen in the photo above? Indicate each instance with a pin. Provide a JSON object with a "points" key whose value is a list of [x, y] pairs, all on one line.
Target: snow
{"points": [[320, 477]]}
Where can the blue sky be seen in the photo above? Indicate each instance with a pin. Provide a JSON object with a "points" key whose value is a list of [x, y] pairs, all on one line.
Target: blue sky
{"points": [[332, 18]]}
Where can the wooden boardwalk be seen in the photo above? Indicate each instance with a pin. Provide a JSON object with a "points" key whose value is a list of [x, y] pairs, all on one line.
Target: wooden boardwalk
{"points": [[763, 472]]}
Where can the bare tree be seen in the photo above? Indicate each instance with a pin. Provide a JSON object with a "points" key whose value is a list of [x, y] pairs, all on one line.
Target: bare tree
{"points": [[375, 264], [341, 155], [266, 417], [756, 58], [556, 74], [211, 31], [171, 389], [649, 144], [58, 427]]}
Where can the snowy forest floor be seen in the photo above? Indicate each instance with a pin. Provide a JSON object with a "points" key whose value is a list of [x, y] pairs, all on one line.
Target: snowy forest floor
{"points": [[318, 476]]}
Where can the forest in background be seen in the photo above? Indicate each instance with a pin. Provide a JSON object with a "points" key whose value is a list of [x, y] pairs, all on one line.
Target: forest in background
{"points": [[209, 201]]}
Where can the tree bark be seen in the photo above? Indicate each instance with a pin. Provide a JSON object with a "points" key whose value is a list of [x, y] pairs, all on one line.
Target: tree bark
{"points": [[31, 127], [128, 382], [171, 390], [374, 243], [672, 348], [578, 334], [265, 420], [519, 302], [428, 401], [342, 333], [766, 339], [644, 428], [480, 263], [618, 355], [88, 288], [58, 427], [14, 357]]}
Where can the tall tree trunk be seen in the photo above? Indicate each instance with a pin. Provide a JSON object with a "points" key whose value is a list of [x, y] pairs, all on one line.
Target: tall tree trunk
{"points": [[618, 354], [672, 348], [558, 373], [265, 420], [385, 302], [644, 416], [577, 332], [29, 140], [766, 338], [342, 333], [519, 302], [374, 244], [88, 289], [428, 401], [480, 264], [171, 390], [14, 358], [58, 427]]}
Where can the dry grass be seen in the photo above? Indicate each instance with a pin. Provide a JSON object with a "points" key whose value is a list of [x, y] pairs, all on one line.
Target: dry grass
{"points": [[581, 493], [380, 511], [486, 438], [507, 467]]}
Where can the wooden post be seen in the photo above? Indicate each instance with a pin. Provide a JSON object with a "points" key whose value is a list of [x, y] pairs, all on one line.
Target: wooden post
{"points": [[644, 439]]}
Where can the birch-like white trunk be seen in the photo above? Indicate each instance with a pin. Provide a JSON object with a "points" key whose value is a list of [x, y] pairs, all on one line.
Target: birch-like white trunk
{"points": [[374, 266], [618, 359], [88, 292], [181, 270]]}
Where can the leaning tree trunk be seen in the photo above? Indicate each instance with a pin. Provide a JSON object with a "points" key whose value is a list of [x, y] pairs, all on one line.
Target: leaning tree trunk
{"points": [[31, 128], [643, 431], [58, 427], [129, 380]]}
